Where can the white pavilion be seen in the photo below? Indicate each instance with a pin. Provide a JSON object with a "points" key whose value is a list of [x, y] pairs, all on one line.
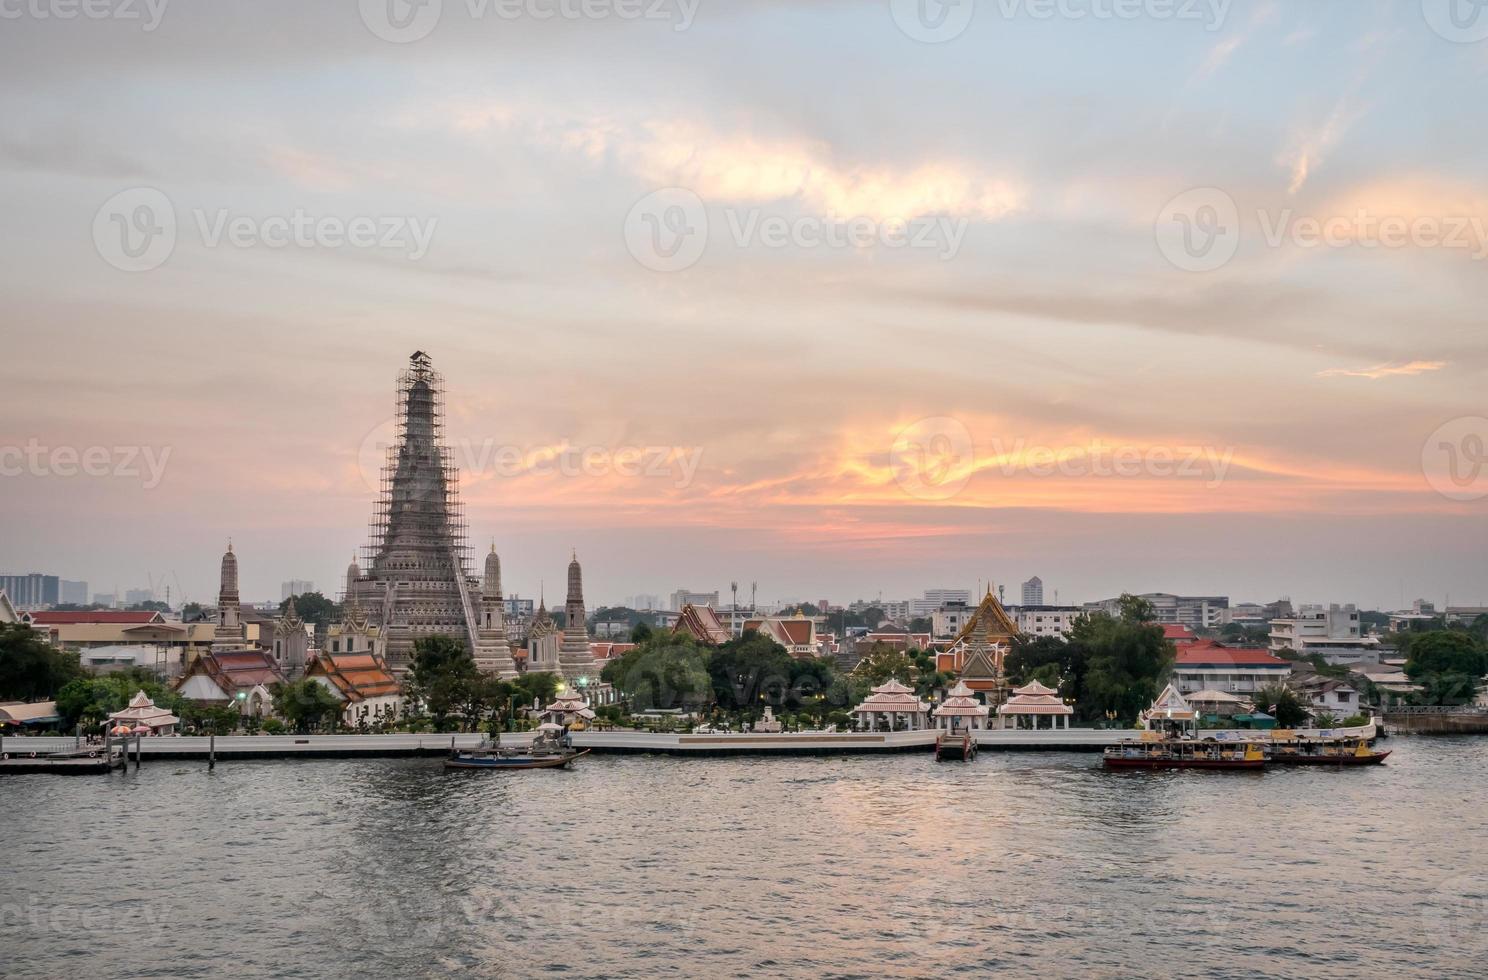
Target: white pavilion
{"points": [[143, 714], [568, 709], [1171, 714], [961, 711], [897, 706], [1034, 701]]}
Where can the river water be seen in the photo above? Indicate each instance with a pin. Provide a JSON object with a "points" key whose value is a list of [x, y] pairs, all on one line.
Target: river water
{"points": [[1024, 864]]}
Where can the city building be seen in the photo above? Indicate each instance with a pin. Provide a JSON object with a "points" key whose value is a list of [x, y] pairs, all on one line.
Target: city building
{"points": [[1199, 612], [1033, 592], [113, 639], [418, 581], [107, 600], [518, 610], [643, 601], [1245, 614], [138, 597], [933, 599], [72, 593], [686, 597], [949, 619], [1037, 621], [1334, 632], [32, 591], [1209, 666], [294, 587]]}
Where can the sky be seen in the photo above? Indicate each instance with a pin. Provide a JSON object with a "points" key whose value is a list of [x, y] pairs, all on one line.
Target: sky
{"points": [[845, 299]]}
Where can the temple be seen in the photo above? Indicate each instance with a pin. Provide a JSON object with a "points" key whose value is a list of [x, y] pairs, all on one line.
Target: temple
{"points": [[417, 583], [230, 630], [975, 655], [960, 711]]}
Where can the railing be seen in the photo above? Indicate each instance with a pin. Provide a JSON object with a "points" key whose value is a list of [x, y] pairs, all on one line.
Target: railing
{"points": [[1435, 709]]}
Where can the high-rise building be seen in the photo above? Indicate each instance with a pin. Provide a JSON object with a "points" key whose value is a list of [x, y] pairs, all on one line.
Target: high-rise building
{"points": [[134, 597], [75, 593], [1196, 611], [417, 581], [1033, 592], [295, 586], [31, 591]]}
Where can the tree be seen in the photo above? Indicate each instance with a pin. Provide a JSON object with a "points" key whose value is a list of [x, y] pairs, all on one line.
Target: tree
{"points": [[1447, 664], [1283, 704], [31, 669], [920, 624], [1124, 660], [884, 662], [307, 704], [192, 611], [1048, 660], [640, 633], [313, 608], [1135, 609], [90, 700], [440, 676], [150, 605], [669, 672]]}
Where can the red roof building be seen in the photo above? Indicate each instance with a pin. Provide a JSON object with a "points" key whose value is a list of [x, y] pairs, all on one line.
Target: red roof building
{"points": [[1208, 666], [1179, 634], [112, 617]]}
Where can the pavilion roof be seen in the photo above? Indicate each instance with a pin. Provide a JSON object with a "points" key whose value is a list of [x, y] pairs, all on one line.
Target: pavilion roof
{"points": [[1035, 704], [141, 709], [1171, 705], [1035, 689]]}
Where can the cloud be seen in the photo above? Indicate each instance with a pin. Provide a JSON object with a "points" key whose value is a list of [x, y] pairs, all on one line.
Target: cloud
{"points": [[741, 168], [1384, 370]]}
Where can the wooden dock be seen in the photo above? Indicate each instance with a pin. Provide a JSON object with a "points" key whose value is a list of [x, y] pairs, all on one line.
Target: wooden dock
{"points": [[73, 762]]}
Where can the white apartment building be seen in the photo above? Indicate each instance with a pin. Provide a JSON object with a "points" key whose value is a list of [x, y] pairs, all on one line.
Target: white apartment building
{"points": [[1195, 611], [1210, 667], [935, 598], [1041, 620], [1334, 632], [947, 620]]}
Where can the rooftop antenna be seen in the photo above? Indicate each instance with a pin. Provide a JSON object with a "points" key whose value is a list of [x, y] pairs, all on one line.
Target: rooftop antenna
{"points": [[734, 610]]}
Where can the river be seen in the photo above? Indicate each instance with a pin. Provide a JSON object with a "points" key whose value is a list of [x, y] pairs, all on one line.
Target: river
{"points": [[1024, 864]]}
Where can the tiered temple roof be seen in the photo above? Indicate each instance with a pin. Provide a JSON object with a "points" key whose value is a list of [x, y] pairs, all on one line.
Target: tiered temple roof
{"points": [[892, 697], [961, 702], [143, 712], [355, 676], [702, 624]]}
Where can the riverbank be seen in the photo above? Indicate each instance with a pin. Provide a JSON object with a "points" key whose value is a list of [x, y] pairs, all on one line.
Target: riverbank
{"points": [[228, 747]]}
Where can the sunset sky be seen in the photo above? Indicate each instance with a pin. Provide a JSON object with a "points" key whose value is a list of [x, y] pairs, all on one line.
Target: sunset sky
{"points": [[865, 418]]}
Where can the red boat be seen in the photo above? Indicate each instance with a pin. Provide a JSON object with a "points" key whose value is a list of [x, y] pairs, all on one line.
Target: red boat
{"points": [[1327, 752]]}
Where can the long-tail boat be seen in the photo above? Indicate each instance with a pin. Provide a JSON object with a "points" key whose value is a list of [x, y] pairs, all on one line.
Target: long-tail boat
{"points": [[1185, 754]]}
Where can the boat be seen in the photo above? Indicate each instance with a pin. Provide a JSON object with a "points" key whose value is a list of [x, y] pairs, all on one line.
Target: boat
{"points": [[550, 749], [1326, 752], [1185, 754]]}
